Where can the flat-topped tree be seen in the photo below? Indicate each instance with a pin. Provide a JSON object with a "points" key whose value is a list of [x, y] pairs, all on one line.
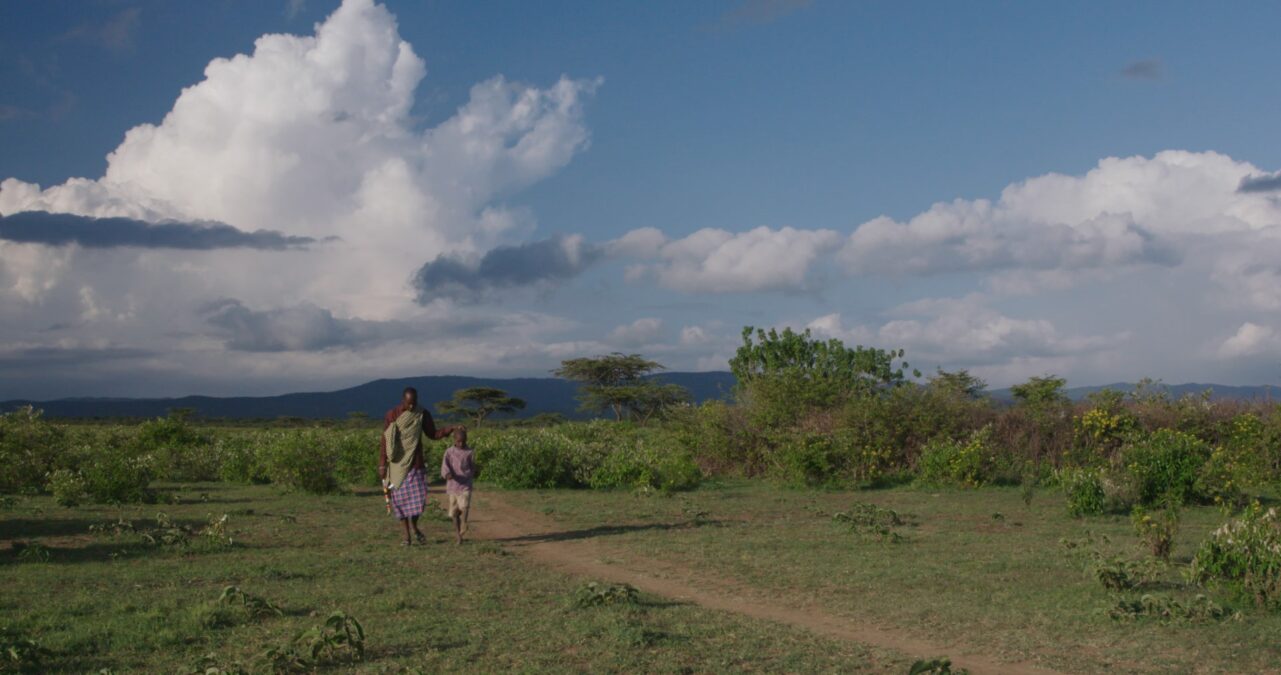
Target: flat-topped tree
{"points": [[477, 403], [618, 382]]}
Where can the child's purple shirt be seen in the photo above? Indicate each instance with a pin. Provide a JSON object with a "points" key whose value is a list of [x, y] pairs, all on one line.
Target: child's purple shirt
{"points": [[458, 469]]}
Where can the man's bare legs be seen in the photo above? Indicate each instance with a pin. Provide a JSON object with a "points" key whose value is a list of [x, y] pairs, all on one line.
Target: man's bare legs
{"points": [[408, 539], [422, 538]]}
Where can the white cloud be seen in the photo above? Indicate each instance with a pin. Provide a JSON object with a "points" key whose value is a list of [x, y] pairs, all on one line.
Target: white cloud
{"points": [[962, 331], [1251, 339], [308, 136], [717, 261], [641, 332]]}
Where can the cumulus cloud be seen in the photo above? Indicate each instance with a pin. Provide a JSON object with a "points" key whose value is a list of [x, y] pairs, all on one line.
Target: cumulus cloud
{"points": [[718, 261], [1251, 339], [302, 328], [60, 229], [540, 264], [306, 139], [641, 332], [962, 331]]}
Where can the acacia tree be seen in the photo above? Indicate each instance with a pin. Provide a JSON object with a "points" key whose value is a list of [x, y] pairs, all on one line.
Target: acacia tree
{"points": [[477, 403], [618, 382], [959, 382]]}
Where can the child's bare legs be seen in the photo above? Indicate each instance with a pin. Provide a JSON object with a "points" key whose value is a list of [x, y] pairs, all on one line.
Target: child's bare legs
{"points": [[458, 525]]}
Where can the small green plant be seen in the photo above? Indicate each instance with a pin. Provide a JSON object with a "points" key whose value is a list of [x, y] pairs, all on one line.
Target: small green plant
{"points": [[1157, 531], [340, 639], [870, 520], [32, 552], [593, 594], [210, 664], [941, 666], [212, 536], [19, 652], [254, 606], [1168, 610]]}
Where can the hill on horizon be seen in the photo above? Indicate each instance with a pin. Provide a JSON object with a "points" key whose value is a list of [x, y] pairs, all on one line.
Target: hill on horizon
{"points": [[542, 394]]}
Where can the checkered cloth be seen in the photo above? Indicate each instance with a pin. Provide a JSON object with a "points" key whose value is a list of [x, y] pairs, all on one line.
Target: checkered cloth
{"points": [[409, 499]]}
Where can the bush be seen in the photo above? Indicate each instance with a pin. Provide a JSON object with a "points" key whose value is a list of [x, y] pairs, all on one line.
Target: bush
{"points": [[649, 463], [357, 459], [67, 487], [1084, 491], [810, 460], [948, 462], [181, 453], [299, 460], [28, 444], [238, 462], [1165, 466], [1246, 553], [1157, 531], [533, 459]]}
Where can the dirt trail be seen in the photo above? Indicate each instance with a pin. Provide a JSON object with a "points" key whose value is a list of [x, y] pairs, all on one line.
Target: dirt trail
{"points": [[579, 553]]}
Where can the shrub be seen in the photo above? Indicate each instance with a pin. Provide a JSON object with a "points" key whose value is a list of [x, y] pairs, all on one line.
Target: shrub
{"points": [[67, 487], [181, 453], [648, 464], [535, 459], [1101, 430], [810, 459], [1084, 491], [357, 459], [1244, 552], [117, 475], [27, 446], [593, 594], [969, 464], [1165, 466], [298, 460], [1157, 531], [238, 462]]}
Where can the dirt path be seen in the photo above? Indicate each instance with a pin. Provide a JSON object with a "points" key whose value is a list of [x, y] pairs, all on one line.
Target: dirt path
{"points": [[579, 553]]}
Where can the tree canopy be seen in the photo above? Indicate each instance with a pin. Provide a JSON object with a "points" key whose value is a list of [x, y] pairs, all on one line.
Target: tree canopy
{"points": [[478, 403]]}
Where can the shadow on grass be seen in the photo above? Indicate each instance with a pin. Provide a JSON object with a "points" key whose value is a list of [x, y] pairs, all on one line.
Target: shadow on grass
{"points": [[26, 528], [604, 531]]}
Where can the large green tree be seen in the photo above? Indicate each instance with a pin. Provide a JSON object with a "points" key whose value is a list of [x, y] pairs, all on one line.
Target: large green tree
{"points": [[478, 403], [620, 383]]}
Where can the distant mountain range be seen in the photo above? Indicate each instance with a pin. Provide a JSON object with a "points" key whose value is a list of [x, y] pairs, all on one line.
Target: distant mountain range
{"points": [[543, 395]]}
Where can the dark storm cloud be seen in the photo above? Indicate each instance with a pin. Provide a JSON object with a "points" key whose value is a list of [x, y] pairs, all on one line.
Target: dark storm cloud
{"points": [[302, 328], [61, 229], [1147, 69], [538, 263], [1268, 182], [309, 328]]}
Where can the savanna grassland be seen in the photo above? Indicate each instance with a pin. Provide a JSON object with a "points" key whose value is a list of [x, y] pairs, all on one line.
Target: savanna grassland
{"points": [[839, 514]]}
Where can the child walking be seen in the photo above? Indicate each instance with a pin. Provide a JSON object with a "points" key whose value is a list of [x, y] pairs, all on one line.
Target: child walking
{"points": [[458, 468]]}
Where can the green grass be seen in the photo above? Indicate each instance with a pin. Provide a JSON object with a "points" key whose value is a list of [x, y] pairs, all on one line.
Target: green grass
{"points": [[105, 601], [1001, 584]]}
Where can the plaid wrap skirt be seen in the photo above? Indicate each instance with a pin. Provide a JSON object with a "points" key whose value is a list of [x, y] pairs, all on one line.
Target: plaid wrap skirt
{"points": [[410, 498]]}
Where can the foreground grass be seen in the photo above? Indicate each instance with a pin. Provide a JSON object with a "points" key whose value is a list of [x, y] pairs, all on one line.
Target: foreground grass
{"points": [[981, 569], [118, 602]]}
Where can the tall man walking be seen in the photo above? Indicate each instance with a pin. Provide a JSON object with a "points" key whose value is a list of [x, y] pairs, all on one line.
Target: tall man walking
{"points": [[400, 460]]}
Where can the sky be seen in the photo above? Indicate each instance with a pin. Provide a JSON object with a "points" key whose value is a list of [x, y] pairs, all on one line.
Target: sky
{"points": [[238, 197]]}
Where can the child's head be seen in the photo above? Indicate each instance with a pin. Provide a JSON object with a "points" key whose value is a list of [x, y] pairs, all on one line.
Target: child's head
{"points": [[460, 437]]}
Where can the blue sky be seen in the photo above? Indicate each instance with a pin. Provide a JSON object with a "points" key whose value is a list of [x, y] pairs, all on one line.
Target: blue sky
{"points": [[815, 116]]}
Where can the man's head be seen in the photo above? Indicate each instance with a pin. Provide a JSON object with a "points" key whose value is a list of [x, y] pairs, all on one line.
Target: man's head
{"points": [[460, 437], [410, 397]]}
